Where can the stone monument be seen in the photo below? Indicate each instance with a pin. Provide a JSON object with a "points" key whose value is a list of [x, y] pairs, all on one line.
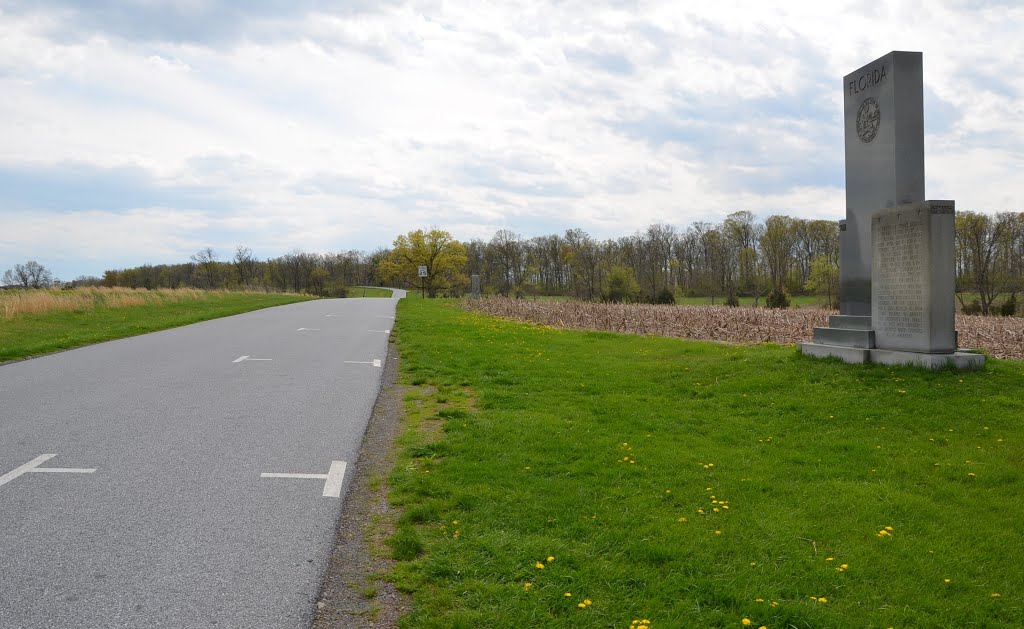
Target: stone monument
{"points": [[896, 258]]}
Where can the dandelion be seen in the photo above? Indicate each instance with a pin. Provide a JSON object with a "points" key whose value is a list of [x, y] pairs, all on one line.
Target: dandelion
{"points": [[527, 586], [538, 565], [822, 600], [568, 594], [829, 558], [996, 594], [946, 581], [746, 622], [550, 558], [682, 519], [581, 605], [718, 532], [775, 603], [758, 600], [587, 601], [971, 474]]}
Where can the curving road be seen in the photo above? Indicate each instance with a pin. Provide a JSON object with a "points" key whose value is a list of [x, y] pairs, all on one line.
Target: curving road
{"points": [[177, 526]]}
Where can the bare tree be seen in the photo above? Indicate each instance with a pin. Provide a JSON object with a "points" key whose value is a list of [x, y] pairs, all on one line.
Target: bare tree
{"points": [[29, 275], [206, 260], [245, 265], [982, 245]]}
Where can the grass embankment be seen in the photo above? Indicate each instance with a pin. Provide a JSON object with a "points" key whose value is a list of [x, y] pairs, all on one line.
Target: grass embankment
{"points": [[42, 321], [369, 291], [697, 485]]}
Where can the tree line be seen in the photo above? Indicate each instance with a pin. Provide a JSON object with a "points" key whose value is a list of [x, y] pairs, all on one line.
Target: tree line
{"points": [[768, 261]]}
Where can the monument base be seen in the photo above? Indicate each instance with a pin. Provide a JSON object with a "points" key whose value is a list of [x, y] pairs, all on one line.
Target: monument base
{"points": [[860, 355], [957, 360], [852, 355]]}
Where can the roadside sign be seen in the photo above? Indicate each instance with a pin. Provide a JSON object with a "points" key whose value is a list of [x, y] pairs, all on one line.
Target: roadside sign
{"points": [[423, 271]]}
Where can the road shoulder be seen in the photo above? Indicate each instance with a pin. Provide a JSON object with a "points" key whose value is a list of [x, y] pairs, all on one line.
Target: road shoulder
{"points": [[354, 592]]}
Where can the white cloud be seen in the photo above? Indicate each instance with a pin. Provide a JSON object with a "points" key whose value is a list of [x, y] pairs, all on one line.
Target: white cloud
{"points": [[324, 130]]}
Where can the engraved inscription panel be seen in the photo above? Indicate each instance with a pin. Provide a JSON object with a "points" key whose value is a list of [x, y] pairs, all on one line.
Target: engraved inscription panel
{"points": [[902, 305]]}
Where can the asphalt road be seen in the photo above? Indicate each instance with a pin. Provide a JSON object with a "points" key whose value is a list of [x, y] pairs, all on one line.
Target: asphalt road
{"points": [[176, 527]]}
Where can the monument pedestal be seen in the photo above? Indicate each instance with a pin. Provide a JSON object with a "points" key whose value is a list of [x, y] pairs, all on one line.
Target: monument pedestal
{"points": [[912, 307]]}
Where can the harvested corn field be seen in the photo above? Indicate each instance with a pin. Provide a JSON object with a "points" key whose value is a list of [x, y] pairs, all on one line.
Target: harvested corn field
{"points": [[1001, 337]]}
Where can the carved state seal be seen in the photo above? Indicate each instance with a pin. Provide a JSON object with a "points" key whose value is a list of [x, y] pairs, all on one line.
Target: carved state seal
{"points": [[868, 118]]}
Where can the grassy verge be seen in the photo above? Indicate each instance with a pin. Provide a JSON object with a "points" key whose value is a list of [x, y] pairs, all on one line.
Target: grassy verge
{"points": [[369, 291], [35, 333], [796, 301], [574, 479]]}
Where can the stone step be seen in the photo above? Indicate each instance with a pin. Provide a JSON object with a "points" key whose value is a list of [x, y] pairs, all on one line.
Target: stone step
{"points": [[849, 322], [845, 337], [855, 355]]}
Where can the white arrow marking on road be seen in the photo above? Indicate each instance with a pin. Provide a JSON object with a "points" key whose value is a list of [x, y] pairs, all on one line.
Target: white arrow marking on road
{"points": [[241, 358], [375, 362], [333, 478], [33, 466]]}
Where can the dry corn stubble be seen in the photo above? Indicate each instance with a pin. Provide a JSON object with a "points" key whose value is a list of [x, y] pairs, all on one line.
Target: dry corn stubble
{"points": [[1001, 337]]}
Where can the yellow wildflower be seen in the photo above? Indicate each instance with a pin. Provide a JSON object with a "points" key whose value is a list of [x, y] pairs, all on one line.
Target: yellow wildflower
{"points": [[822, 600], [527, 585], [745, 621], [550, 558], [568, 594], [539, 565]]}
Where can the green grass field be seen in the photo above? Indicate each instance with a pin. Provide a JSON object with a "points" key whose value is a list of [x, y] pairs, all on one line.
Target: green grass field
{"points": [[797, 301], [570, 479], [369, 291], [32, 334]]}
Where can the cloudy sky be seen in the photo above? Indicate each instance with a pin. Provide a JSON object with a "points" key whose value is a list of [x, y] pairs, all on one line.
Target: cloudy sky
{"points": [[138, 131]]}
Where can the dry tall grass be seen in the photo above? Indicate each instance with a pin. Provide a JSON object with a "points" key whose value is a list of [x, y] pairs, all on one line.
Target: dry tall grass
{"points": [[25, 302], [1002, 337]]}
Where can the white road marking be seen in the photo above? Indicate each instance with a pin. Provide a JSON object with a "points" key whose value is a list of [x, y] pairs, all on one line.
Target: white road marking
{"points": [[33, 466], [375, 362], [241, 358], [309, 329], [334, 315], [384, 331], [334, 478], [384, 317], [287, 475]]}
